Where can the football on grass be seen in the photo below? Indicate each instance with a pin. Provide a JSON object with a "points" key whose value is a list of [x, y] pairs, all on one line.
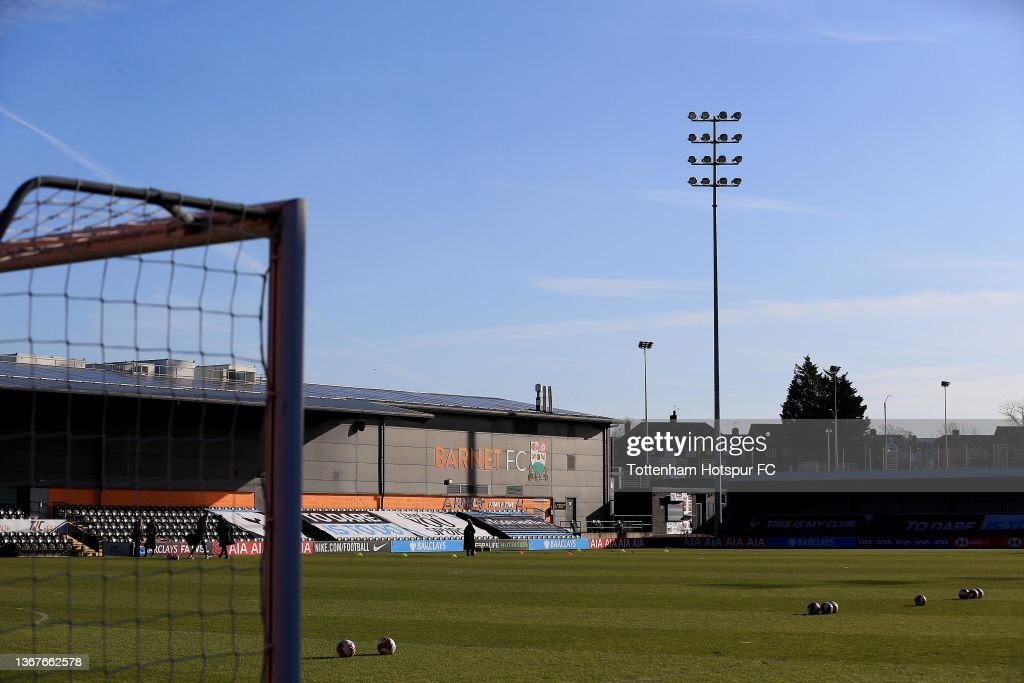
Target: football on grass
{"points": [[813, 608], [346, 648], [964, 594], [920, 600], [826, 608], [386, 646], [981, 593]]}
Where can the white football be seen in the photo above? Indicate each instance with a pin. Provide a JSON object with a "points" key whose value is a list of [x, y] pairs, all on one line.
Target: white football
{"points": [[964, 594], [813, 608], [920, 600], [835, 607], [973, 594], [386, 646], [981, 593], [346, 648], [826, 608]]}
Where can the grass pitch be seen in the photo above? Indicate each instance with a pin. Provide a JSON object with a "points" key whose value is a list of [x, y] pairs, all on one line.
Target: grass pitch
{"points": [[642, 615]]}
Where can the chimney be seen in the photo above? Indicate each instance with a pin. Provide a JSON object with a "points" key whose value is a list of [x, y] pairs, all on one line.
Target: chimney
{"points": [[551, 401], [735, 431], [537, 389], [543, 399], [673, 417]]}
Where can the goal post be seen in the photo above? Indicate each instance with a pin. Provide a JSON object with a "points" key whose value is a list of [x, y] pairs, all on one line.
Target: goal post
{"points": [[57, 222]]}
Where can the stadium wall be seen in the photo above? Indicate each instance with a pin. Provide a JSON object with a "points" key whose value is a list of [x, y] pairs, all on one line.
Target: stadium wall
{"points": [[462, 456]]}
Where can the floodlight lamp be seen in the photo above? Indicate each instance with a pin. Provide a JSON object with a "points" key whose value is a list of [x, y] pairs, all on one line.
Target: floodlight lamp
{"points": [[736, 181], [692, 115], [706, 160], [945, 383], [692, 159], [705, 181], [723, 181], [705, 115], [706, 137], [723, 137], [723, 115], [720, 159], [736, 116], [737, 160], [737, 137], [692, 137], [692, 181]]}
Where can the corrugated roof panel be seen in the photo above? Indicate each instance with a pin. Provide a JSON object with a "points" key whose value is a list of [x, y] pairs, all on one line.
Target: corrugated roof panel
{"points": [[112, 382]]}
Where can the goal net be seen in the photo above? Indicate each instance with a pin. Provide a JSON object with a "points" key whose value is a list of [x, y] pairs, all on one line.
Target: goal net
{"points": [[150, 418]]}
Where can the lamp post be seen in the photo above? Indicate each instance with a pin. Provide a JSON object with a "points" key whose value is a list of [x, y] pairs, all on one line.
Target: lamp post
{"points": [[834, 371], [885, 445], [714, 182], [945, 432], [828, 448], [644, 345]]}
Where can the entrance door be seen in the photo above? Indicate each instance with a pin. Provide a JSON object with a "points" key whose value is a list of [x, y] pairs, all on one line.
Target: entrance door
{"points": [[570, 512]]}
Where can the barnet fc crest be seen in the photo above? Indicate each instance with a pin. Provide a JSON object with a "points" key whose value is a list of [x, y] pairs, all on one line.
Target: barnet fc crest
{"points": [[538, 461]]}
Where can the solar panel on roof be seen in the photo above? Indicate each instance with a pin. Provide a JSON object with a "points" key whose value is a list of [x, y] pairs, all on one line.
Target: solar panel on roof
{"points": [[355, 399]]}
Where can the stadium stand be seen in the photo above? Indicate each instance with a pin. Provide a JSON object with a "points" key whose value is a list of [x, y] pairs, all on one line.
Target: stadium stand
{"points": [[116, 523]]}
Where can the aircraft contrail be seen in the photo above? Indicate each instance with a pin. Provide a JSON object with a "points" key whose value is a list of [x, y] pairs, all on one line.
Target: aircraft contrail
{"points": [[65, 148]]}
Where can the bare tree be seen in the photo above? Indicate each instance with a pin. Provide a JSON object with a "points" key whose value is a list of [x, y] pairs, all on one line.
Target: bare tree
{"points": [[1013, 411], [953, 426], [897, 430]]}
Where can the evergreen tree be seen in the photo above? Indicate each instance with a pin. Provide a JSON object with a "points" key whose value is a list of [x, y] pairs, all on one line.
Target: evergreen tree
{"points": [[814, 395]]}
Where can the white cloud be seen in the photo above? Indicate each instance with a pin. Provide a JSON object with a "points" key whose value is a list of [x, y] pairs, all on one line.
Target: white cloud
{"points": [[781, 206], [23, 11], [862, 38], [859, 309], [690, 197], [65, 148], [609, 287]]}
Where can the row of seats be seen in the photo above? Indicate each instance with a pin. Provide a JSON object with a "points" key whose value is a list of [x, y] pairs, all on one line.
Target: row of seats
{"points": [[30, 543], [118, 523], [11, 512]]}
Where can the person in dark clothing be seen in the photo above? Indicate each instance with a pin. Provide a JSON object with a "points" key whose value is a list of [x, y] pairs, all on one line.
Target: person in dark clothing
{"points": [[137, 537], [469, 539], [225, 536], [150, 538], [198, 537]]}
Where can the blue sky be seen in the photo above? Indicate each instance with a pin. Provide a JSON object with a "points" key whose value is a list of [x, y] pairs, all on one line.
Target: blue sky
{"points": [[497, 191]]}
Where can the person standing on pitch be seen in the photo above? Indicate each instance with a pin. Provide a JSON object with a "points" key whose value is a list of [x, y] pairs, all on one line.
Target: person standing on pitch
{"points": [[137, 538], [199, 536], [225, 536], [150, 537], [469, 539]]}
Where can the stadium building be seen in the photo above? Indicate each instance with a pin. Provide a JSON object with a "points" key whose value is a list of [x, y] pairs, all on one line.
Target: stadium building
{"points": [[174, 433]]}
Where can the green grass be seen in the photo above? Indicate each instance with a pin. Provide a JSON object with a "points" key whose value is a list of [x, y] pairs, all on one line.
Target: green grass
{"points": [[720, 615]]}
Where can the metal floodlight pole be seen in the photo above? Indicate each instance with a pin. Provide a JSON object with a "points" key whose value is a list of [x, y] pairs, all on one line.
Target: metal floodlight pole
{"points": [[714, 161], [834, 371], [885, 444], [945, 430], [644, 345]]}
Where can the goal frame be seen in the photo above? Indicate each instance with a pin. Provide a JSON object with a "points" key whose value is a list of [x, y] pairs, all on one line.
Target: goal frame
{"points": [[283, 224]]}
